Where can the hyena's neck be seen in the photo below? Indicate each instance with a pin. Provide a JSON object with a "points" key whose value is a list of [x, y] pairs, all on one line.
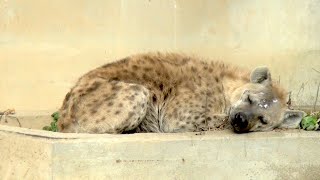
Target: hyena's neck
{"points": [[233, 80]]}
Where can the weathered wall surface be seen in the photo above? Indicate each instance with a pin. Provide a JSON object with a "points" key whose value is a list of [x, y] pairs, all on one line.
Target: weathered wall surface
{"points": [[35, 154], [46, 45]]}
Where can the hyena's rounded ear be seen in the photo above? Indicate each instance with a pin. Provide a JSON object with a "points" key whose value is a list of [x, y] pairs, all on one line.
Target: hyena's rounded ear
{"points": [[261, 75], [291, 119]]}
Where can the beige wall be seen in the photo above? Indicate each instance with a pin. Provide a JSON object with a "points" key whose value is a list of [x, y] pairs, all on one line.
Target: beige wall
{"points": [[46, 45]]}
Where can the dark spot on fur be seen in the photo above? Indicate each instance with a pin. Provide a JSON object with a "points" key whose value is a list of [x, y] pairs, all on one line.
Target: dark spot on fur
{"points": [[154, 98], [130, 114], [118, 161], [158, 73], [166, 75], [219, 89], [165, 96], [147, 69], [125, 71], [161, 87], [120, 105], [67, 96], [93, 87], [133, 74], [93, 111], [135, 67], [131, 98], [145, 77], [117, 112], [193, 69], [125, 125], [84, 119], [62, 126], [210, 70], [81, 92], [110, 103], [196, 117], [216, 78], [114, 79], [94, 101], [208, 119], [152, 61]]}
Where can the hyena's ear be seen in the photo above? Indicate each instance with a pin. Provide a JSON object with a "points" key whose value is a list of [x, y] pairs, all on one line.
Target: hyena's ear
{"points": [[291, 119], [261, 75]]}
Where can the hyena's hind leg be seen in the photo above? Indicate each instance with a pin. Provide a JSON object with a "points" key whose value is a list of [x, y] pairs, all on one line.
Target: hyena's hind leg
{"points": [[104, 107]]}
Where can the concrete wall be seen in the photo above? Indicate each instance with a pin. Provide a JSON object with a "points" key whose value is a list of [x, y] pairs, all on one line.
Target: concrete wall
{"points": [[46, 45], [34, 154]]}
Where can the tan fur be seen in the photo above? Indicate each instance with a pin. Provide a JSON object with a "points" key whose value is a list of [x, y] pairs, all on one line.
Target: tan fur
{"points": [[154, 92]]}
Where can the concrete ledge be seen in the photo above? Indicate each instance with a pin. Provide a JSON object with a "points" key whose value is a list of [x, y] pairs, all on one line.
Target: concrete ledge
{"points": [[36, 154]]}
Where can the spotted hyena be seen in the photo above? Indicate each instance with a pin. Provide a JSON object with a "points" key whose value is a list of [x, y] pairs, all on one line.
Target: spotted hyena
{"points": [[159, 92]]}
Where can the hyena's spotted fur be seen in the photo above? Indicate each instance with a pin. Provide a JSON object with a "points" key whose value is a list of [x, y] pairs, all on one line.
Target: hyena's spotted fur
{"points": [[154, 92]]}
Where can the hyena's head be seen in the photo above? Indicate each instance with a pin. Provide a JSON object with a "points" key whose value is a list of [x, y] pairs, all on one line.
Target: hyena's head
{"points": [[261, 106]]}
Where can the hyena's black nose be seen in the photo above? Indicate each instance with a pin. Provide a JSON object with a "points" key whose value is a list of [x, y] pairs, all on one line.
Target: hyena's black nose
{"points": [[239, 122]]}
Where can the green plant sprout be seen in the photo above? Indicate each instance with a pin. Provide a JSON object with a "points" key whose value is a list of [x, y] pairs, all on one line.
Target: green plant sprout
{"points": [[311, 122], [53, 125]]}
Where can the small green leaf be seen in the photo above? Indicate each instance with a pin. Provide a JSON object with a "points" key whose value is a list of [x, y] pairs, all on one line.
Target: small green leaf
{"points": [[55, 116], [309, 123], [47, 128], [53, 125]]}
